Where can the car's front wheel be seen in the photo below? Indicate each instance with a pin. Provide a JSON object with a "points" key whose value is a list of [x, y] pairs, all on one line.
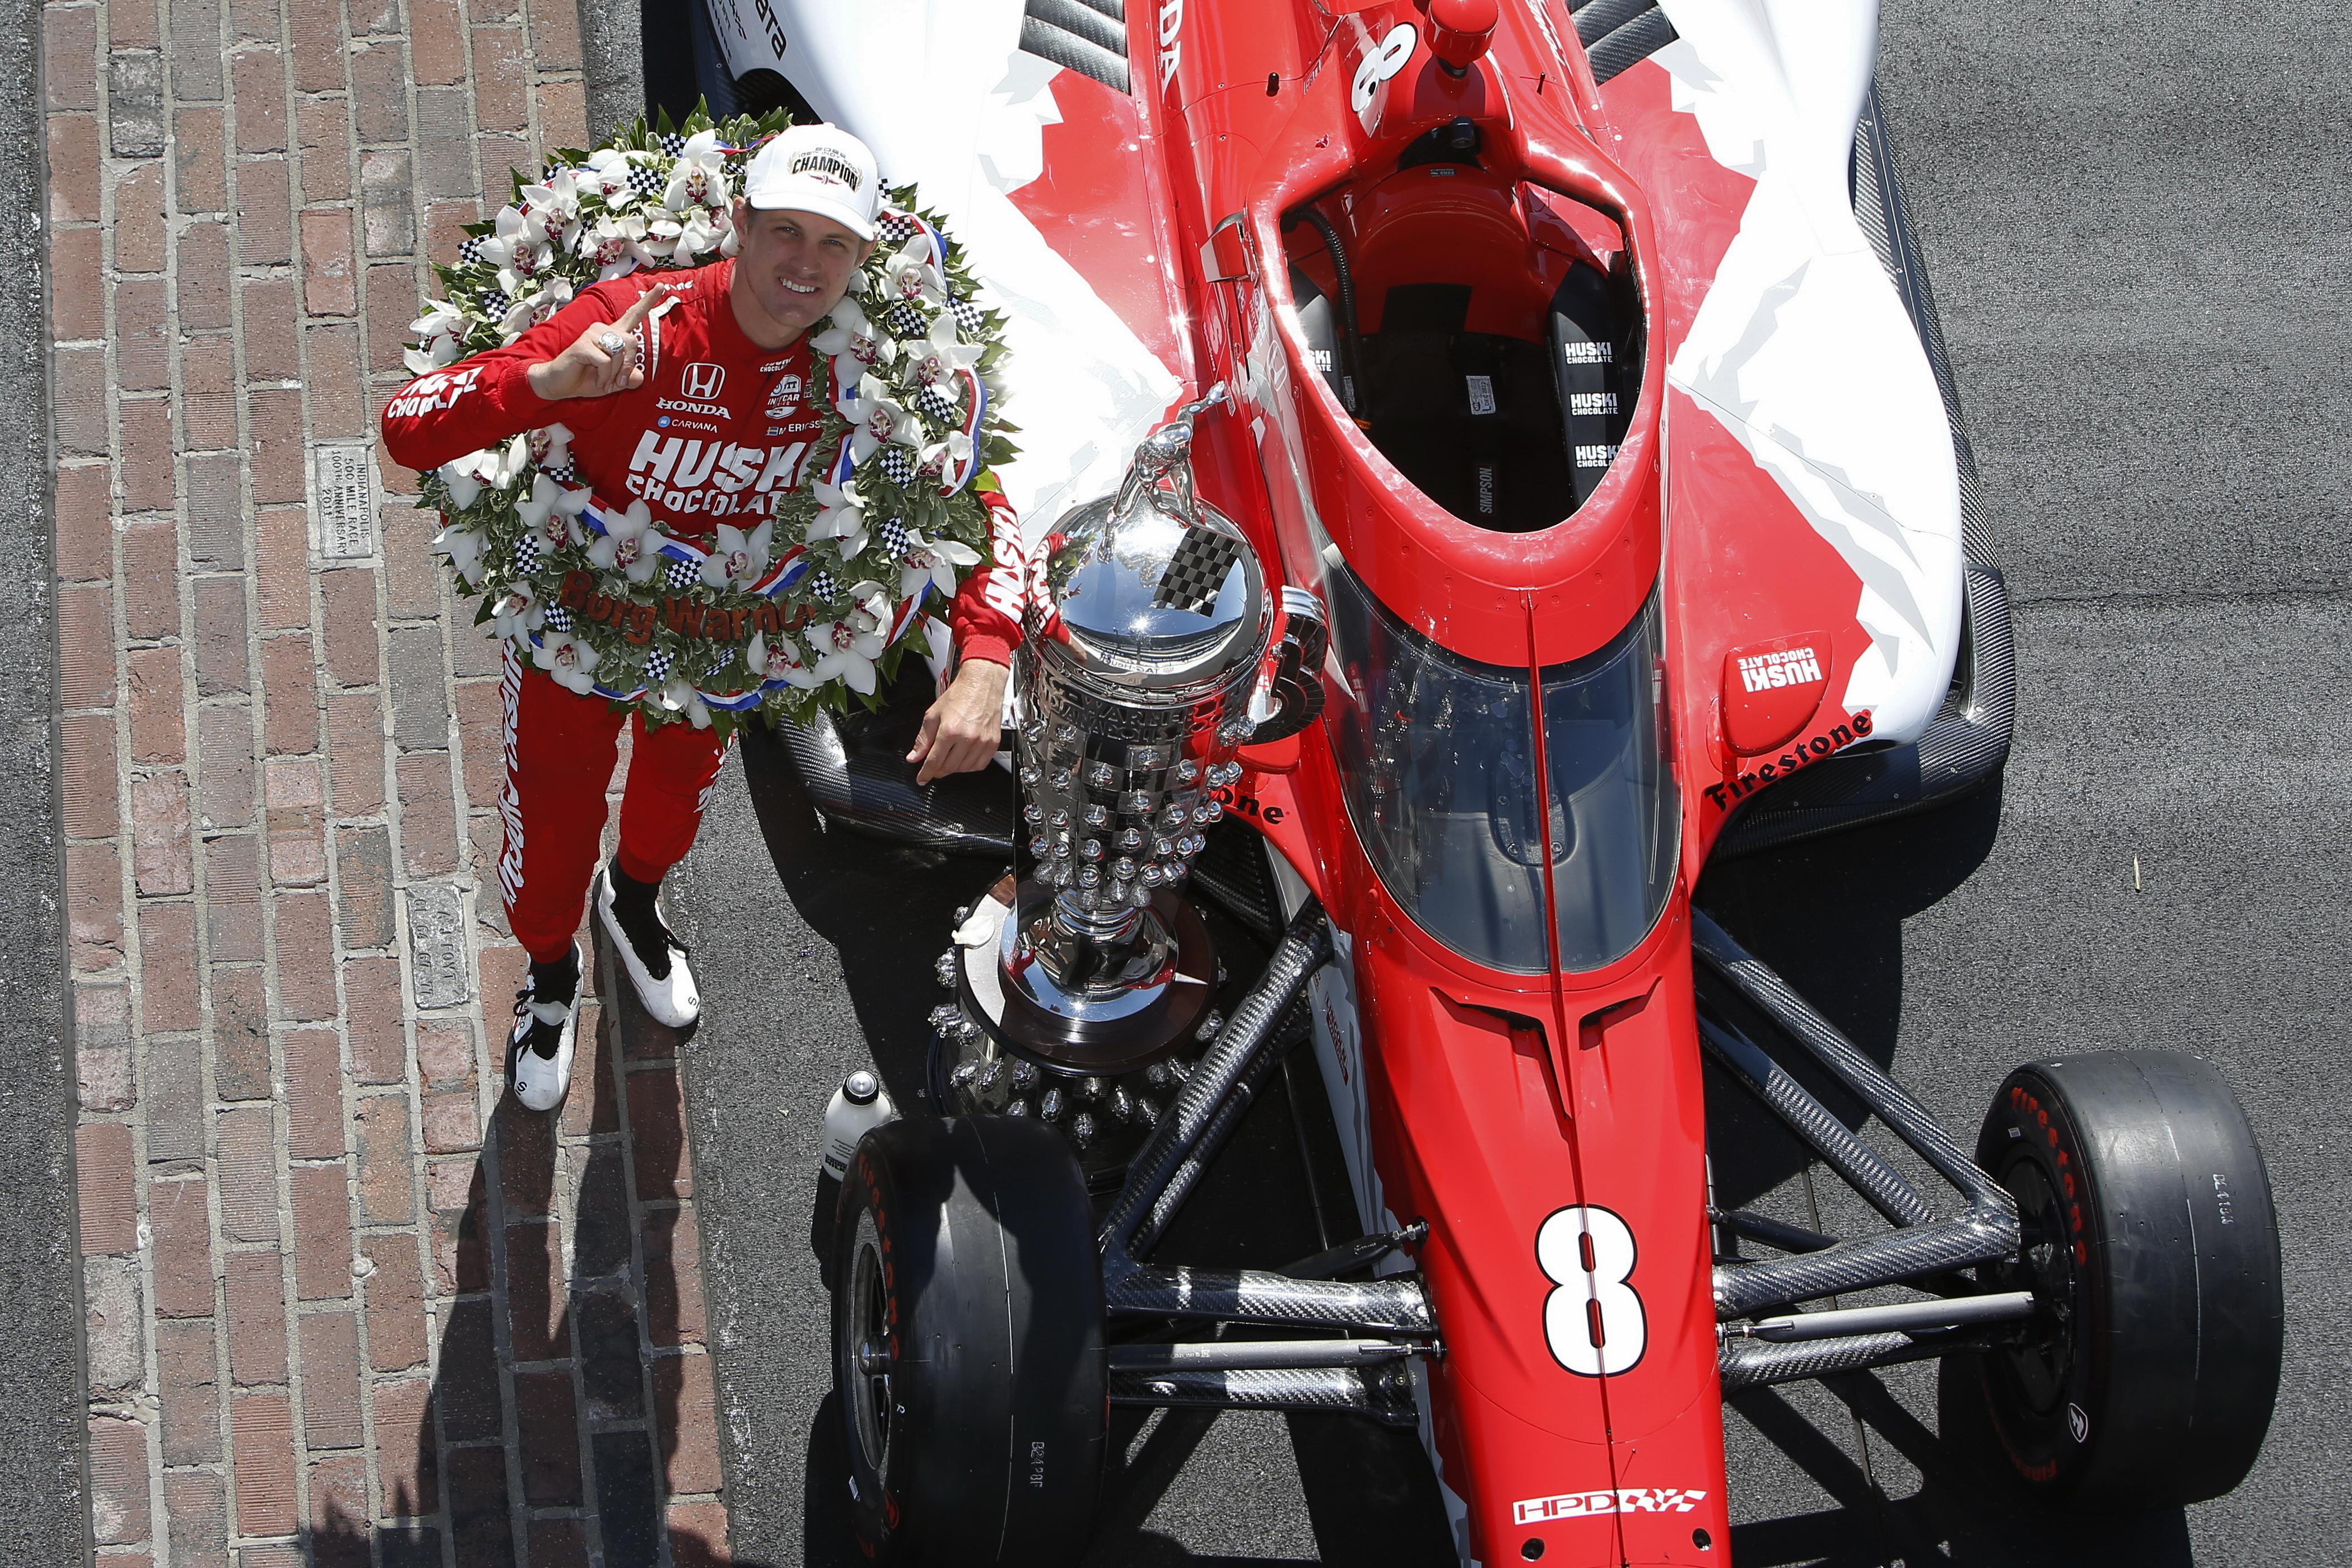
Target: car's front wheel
{"points": [[2147, 1377], [968, 1344]]}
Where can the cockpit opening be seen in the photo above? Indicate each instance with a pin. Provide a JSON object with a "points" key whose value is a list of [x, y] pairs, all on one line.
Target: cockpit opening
{"points": [[1485, 334]]}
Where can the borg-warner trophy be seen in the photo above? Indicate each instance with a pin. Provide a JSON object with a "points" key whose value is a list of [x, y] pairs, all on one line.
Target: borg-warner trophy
{"points": [[1084, 984]]}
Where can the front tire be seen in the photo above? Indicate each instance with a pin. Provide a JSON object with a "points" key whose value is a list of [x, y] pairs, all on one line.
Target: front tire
{"points": [[968, 1344], [2147, 1377]]}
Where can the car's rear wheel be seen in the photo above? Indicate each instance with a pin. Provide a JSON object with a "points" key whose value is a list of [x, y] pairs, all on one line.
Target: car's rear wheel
{"points": [[2147, 1376], [968, 1344]]}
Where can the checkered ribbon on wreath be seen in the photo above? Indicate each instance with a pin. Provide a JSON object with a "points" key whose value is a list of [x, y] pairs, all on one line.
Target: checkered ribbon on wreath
{"points": [[528, 551], [1197, 570], [559, 619], [718, 665], [890, 538], [821, 585], [681, 574], [898, 463], [936, 403], [469, 252], [495, 303], [896, 227], [968, 317], [905, 320], [658, 666], [563, 473], [672, 143], [646, 181]]}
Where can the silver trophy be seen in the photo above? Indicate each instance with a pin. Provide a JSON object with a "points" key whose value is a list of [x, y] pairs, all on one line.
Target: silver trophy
{"points": [[1143, 648]]}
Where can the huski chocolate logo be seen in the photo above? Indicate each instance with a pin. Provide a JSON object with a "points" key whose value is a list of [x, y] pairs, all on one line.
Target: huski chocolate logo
{"points": [[1788, 668]]}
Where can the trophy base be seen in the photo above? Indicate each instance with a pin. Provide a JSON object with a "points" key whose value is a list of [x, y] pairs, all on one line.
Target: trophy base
{"points": [[1007, 992]]}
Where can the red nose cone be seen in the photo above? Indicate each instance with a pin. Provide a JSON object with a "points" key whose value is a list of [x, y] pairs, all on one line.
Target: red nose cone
{"points": [[1459, 30]]}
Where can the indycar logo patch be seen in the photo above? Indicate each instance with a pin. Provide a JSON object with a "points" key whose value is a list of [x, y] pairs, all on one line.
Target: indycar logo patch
{"points": [[1593, 1504]]}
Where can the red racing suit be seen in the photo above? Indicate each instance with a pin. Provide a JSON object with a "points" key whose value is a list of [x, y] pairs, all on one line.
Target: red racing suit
{"points": [[719, 427]]}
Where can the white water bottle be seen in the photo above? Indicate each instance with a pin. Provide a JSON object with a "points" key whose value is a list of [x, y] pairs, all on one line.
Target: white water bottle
{"points": [[858, 1106]]}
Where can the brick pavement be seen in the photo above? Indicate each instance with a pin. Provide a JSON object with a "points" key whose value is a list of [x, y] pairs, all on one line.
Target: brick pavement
{"points": [[343, 1305]]}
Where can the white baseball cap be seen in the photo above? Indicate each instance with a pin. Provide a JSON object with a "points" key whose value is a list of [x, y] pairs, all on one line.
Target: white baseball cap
{"points": [[819, 169]]}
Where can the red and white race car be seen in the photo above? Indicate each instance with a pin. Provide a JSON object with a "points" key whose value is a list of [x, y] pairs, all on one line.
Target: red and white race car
{"points": [[1606, 509]]}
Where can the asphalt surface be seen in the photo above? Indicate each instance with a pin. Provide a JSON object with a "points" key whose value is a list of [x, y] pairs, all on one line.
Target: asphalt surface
{"points": [[41, 1471], [2136, 237]]}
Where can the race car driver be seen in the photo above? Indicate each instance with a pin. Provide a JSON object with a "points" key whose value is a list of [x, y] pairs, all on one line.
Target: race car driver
{"points": [[685, 390]]}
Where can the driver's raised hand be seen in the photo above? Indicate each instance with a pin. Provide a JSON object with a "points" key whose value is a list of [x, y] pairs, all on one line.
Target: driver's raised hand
{"points": [[601, 360]]}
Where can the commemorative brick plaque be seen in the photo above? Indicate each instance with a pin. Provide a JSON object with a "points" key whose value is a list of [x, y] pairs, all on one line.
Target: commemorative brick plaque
{"points": [[343, 499], [436, 944]]}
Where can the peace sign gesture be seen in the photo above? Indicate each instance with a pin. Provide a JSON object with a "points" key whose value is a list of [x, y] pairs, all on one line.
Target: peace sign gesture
{"points": [[601, 360]]}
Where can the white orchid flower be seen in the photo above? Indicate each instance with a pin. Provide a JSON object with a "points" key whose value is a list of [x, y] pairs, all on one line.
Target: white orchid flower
{"points": [[854, 343], [517, 614], [464, 489], [697, 237], [630, 544], [550, 446], [910, 277], [781, 661], [678, 696], [558, 200], [438, 330], [699, 177], [617, 246], [878, 419], [934, 360], [463, 549], [947, 454], [608, 171], [572, 662], [549, 510], [933, 563], [845, 651], [841, 515], [508, 230], [740, 556]]}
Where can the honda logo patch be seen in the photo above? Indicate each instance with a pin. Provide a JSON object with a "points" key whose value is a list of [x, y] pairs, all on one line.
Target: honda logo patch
{"points": [[702, 380]]}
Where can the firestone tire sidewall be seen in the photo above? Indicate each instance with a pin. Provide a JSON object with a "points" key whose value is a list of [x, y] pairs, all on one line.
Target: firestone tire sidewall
{"points": [[2177, 1292], [998, 1427]]}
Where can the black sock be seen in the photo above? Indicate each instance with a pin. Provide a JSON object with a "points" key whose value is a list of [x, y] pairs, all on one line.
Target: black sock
{"points": [[640, 919], [557, 981], [632, 898]]}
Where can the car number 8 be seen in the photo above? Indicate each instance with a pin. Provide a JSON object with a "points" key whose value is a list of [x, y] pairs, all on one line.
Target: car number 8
{"points": [[1380, 64], [1593, 1320]]}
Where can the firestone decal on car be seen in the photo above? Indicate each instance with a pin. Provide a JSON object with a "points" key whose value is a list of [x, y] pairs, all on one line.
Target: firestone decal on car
{"points": [[1593, 1504], [1832, 741]]}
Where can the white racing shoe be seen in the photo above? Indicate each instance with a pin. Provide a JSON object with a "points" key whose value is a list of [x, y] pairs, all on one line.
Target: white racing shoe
{"points": [[539, 1052], [670, 995]]}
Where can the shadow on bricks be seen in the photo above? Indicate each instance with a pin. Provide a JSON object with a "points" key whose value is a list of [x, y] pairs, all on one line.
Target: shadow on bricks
{"points": [[572, 1388]]}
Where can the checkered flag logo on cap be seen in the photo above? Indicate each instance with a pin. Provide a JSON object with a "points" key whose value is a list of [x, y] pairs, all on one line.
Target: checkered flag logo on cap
{"points": [[1197, 570]]}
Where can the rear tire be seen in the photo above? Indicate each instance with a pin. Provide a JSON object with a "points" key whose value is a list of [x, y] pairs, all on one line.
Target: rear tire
{"points": [[2148, 1378], [968, 1344]]}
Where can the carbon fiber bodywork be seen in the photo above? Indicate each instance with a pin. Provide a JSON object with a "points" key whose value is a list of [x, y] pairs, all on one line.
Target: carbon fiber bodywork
{"points": [[1921, 1245], [1385, 1394]]}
